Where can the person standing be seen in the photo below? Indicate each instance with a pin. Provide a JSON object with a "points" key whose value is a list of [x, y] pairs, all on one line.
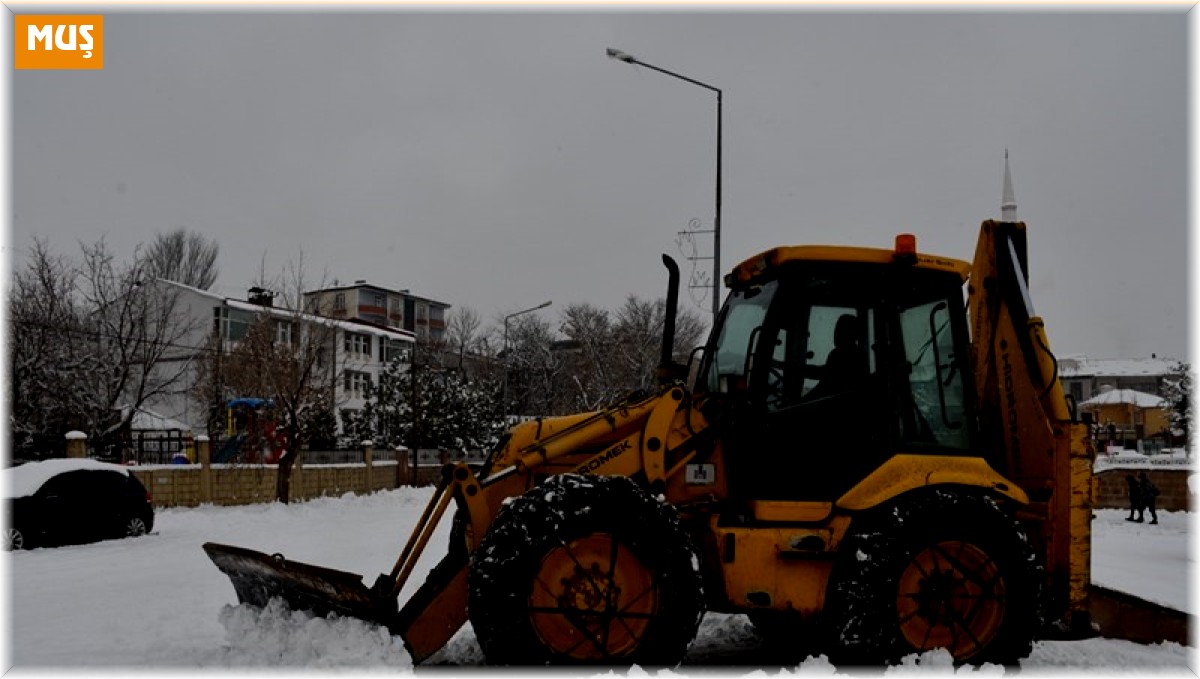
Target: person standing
{"points": [[1135, 498], [1149, 493]]}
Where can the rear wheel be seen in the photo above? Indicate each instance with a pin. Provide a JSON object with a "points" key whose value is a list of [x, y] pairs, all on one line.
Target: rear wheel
{"points": [[13, 539], [135, 527], [585, 570], [943, 570]]}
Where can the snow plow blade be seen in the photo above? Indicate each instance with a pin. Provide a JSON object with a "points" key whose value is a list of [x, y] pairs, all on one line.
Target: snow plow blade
{"points": [[257, 578]]}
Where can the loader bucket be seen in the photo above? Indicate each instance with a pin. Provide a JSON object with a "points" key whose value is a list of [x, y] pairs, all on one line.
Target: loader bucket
{"points": [[257, 578]]}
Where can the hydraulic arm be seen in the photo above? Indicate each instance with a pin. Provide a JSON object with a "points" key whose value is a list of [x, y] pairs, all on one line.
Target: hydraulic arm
{"points": [[1021, 404]]}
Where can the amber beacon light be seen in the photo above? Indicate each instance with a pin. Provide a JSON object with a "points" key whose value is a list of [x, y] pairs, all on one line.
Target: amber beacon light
{"points": [[906, 247]]}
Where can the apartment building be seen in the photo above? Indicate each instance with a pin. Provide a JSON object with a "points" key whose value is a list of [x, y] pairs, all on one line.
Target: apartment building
{"points": [[355, 351], [425, 318], [1084, 378]]}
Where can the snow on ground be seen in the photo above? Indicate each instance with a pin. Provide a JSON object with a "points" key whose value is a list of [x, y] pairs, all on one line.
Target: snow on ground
{"points": [[157, 602], [1150, 561]]}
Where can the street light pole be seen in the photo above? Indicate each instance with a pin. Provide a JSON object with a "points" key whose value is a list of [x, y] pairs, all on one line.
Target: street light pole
{"points": [[716, 276], [504, 392]]}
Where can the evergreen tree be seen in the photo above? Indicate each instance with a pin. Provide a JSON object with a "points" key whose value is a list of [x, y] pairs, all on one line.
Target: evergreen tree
{"points": [[1177, 389], [430, 407]]}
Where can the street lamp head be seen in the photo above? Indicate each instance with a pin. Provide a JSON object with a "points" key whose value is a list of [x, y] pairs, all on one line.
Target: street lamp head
{"points": [[543, 305], [619, 55]]}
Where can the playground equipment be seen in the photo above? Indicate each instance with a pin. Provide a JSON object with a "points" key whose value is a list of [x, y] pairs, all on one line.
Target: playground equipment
{"points": [[251, 432]]}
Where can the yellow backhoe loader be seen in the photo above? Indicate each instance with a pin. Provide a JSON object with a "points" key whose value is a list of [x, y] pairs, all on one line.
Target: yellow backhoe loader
{"points": [[858, 459]]}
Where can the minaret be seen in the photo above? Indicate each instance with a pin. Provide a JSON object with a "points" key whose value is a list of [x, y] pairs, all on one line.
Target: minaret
{"points": [[1008, 203]]}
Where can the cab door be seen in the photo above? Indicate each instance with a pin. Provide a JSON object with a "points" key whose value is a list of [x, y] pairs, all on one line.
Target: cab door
{"points": [[817, 417]]}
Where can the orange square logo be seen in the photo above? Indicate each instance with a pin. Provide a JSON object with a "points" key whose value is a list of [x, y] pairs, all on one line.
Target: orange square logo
{"points": [[58, 41]]}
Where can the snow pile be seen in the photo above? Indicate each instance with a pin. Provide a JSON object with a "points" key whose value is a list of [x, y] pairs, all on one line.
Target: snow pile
{"points": [[278, 637], [939, 662]]}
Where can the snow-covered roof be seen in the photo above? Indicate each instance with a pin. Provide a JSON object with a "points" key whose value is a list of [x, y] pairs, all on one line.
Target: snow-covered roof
{"points": [[148, 420], [26, 479], [1082, 366], [1126, 397], [394, 333]]}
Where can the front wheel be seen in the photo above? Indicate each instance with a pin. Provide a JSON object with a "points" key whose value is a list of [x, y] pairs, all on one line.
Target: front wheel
{"points": [[585, 570], [942, 570]]}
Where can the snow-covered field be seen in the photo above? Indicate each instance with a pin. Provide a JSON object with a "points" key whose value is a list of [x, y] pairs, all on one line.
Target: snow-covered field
{"points": [[157, 602]]}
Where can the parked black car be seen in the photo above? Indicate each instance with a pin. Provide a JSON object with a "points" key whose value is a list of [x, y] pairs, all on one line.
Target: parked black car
{"points": [[73, 501]]}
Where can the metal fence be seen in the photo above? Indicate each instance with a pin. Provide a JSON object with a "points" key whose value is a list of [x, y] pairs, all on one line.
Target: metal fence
{"points": [[161, 448]]}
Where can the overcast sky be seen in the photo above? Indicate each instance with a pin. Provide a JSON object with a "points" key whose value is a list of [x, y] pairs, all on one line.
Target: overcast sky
{"points": [[498, 160]]}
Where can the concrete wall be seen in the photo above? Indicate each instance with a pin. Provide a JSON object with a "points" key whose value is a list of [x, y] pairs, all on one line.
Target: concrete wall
{"points": [[192, 485], [205, 483], [1112, 492]]}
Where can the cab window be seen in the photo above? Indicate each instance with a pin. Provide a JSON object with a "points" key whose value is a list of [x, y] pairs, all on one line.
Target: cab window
{"points": [[741, 323], [935, 376]]}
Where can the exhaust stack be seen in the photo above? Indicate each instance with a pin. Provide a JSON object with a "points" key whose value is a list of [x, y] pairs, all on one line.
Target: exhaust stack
{"points": [[668, 370]]}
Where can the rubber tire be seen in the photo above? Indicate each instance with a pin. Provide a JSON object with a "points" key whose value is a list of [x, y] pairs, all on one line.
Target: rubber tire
{"points": [[863, 594], [572, 507], [135, 526], [14, 539]]}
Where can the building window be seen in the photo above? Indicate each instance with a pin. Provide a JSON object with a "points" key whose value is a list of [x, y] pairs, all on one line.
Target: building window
{"points": [[391, 350], [395, 319], [339, 301], [283, 332], [379, 299], [356, 384], [232, 324], [357, 344]]}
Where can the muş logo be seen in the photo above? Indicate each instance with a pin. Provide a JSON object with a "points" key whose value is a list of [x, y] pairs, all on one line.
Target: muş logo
{"points": [[58, 41]]}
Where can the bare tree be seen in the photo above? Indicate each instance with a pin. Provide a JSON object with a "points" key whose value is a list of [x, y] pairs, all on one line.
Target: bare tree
{"points": [[287, 356], [140, 338], [48, 351], [91, 340], [463, 330], [590, 333], [536, 371], [601, 358], [184, 257]]}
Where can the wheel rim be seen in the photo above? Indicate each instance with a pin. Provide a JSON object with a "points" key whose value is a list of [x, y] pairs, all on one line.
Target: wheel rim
{"points": [[136, 527], [13, 539], [592, 599], [951, 596]]}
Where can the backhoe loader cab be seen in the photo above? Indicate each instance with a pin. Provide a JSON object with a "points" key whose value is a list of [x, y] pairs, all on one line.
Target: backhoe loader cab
{"points": [[851, 467], [837, 359]]}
